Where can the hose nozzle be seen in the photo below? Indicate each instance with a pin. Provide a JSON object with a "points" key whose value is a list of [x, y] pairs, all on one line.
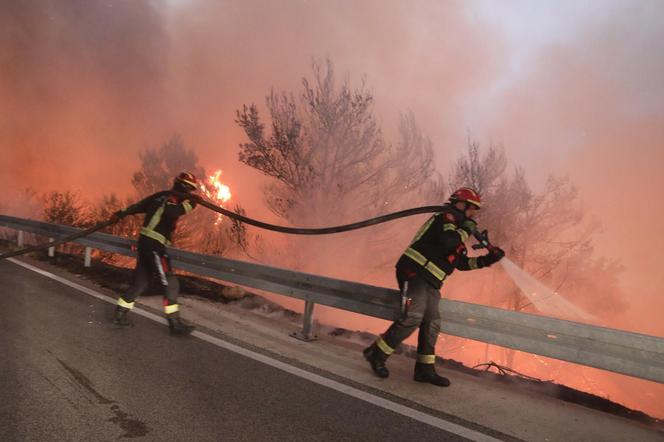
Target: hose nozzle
{"points": [[482, 238]]}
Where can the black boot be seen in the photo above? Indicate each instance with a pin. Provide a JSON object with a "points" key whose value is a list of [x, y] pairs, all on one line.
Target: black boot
{"points": [[377, 359], [177, 327], [120, 319], [427, 373]]}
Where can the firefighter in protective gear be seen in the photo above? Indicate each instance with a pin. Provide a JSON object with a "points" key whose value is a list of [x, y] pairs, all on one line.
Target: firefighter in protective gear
{"points": [[435, 252], [162, 211]]}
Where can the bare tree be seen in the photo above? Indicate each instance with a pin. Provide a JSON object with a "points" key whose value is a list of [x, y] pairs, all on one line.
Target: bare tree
{"points": [[331, 163], [328, 155], [547, 233], [538, 230], [481, 172], [160, 165]]}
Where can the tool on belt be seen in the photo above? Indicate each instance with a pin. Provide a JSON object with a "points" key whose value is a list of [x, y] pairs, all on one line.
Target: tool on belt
{"points": [[405, 300]]}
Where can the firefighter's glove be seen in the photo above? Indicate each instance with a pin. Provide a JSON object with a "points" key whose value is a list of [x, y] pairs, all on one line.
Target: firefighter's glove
{"points": [[495, 254]]}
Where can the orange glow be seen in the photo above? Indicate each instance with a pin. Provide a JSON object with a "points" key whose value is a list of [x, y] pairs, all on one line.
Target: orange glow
{"points": [[587, 102]]}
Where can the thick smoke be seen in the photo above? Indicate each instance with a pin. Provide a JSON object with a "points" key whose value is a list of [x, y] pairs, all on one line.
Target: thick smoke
{"points": [[86, 85], [92, 83], [82, 85], [592, 107]]}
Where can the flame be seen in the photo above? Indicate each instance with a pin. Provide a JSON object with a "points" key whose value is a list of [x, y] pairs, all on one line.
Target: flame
{"points": [[216, 191]]}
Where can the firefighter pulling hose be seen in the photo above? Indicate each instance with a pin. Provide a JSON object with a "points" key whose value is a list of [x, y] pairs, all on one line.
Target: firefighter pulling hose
{"points": [[162, 211]]}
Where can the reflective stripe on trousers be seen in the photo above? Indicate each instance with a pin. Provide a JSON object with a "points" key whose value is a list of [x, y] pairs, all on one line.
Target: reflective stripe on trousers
{"points": [[170, 308], [382, 345], [426, 359], [124, 304]]}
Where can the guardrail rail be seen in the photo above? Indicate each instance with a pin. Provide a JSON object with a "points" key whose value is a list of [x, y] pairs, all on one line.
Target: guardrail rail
{"points": [[633, 354]]}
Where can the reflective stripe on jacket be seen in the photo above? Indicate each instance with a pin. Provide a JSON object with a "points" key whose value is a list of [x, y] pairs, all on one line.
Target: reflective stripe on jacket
{"points": [[162, 211], [438, 248]]}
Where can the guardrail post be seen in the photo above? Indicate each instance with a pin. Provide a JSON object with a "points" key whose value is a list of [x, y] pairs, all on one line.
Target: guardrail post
{"points": [[51, 250], [20, 240], [86, 261], [307, 326]]}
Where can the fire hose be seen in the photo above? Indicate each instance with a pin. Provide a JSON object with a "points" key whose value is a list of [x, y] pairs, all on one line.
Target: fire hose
{"points": [[242, 219], [321, 230], [481, 236]]}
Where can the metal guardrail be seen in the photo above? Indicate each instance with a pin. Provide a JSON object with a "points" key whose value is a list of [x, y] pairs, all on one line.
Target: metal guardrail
{"points": [[619, 351]]}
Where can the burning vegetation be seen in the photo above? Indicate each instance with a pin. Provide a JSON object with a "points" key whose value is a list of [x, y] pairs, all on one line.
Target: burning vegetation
{"points": [[216, 191]]}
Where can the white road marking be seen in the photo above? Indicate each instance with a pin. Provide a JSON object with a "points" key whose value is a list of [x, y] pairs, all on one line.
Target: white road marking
{"points": [[318, 379]]}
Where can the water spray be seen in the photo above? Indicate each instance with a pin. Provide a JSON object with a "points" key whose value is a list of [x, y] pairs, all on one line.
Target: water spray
{"points": [[546, 300]]}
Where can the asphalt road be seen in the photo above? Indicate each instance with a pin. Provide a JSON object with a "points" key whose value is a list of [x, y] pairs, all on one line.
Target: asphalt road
{"points": [[67, 375]]}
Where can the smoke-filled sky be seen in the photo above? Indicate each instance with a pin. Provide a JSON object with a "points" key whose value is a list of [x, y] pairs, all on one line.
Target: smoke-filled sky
{"points": [[567, 87]]}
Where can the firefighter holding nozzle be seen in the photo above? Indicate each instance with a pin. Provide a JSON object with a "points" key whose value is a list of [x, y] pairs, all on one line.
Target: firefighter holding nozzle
{"points": [[435, 252]]}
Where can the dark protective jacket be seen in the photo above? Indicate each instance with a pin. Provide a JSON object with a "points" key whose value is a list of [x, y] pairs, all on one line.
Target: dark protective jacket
{"points": [[162, 211], [438, 249]]}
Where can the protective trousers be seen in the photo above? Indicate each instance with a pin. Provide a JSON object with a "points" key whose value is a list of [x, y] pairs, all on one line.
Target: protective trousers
{"points": [[423, 313], [152, 264]]}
